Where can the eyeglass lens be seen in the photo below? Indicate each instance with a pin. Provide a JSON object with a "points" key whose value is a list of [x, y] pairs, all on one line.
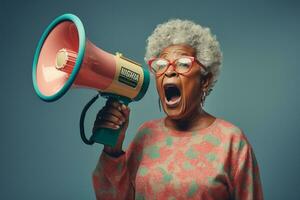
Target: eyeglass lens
{"points": [[181, 65]]}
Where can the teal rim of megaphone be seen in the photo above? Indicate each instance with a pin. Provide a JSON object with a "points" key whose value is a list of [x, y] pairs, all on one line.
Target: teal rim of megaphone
{"points": [[81, 49]]}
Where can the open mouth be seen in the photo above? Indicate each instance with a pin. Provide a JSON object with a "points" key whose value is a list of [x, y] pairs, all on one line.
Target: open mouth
{"points": [[172, 95]]}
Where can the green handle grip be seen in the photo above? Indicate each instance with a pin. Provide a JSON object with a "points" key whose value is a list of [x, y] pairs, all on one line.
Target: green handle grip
{"points": [[104, 136]]}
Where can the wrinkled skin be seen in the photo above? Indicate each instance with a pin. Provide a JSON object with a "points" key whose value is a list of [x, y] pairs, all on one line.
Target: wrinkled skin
{"points": [[188, 114]]}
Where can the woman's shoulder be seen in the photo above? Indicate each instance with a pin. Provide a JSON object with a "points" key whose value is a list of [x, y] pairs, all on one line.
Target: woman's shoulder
{"points": [[150, 124], [231, 131], [228, 126]]}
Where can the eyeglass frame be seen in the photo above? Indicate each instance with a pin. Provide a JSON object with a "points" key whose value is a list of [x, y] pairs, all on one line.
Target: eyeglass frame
{"points": [[174, 66]]}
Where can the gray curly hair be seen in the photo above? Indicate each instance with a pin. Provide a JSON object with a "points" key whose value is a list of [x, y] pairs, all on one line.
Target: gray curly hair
{"points": [[177, 31]]}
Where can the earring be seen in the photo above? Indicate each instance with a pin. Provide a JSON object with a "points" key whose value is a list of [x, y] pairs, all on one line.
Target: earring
{"points": [[203, 98], [159, 104]]}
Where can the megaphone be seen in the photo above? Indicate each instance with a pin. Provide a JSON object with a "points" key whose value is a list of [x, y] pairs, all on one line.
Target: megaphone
{"points": [[65, 58]]}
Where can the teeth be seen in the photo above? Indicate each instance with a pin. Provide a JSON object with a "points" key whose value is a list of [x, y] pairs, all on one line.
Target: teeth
{"points": [[173, 103]]}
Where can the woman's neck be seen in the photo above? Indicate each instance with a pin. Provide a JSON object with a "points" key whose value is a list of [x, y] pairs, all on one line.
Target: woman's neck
{"points": [[195, 121]]}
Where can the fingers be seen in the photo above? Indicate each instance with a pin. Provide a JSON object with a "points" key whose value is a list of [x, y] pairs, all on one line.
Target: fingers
{"points": [[113, 115], [106, 124], [114, 103], [125, 111]]}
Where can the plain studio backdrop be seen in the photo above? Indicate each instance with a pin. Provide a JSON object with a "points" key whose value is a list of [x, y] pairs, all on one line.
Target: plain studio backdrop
{"points": [[42, 155]]}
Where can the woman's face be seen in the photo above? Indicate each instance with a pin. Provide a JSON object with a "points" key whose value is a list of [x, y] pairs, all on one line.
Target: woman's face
{"points": [[180, 94]]}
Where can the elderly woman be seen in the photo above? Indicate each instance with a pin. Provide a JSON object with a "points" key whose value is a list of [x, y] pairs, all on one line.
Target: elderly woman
{"points": [[189, 154]]}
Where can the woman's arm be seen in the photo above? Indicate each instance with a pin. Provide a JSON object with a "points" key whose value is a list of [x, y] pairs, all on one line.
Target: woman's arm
{"points": [[111, 178], [246, 177], [114, 176]]}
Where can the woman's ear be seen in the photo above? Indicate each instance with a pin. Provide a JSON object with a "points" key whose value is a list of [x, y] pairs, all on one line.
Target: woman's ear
{"points": [[206, 81]]}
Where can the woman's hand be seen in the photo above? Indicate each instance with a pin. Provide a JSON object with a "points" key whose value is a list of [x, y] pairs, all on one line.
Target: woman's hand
{"points": [[113, 115]]}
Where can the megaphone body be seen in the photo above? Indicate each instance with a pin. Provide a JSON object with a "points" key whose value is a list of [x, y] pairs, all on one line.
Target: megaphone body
{"points": [[66, 59]]}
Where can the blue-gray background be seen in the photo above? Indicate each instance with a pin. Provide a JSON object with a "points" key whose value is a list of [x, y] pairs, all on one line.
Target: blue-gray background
{"points": [[42, 155]]}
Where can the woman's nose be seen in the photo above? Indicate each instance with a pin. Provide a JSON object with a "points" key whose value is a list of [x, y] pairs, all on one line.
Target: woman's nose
{"points": [[171, 71]]}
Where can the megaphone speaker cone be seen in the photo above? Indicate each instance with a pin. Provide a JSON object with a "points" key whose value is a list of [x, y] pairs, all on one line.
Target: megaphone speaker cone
{"points": [[64, 33]]}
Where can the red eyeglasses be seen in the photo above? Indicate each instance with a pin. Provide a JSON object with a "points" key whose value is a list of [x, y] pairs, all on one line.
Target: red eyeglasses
{"points": [[182, 65]]}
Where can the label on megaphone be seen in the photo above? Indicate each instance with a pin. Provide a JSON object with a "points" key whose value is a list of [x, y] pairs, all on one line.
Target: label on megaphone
{"points": [[128, 79]]}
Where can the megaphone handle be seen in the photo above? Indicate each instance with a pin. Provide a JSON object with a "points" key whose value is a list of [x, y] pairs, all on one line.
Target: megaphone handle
{"points": [[82, 117], [102, 135], [109, 136]]}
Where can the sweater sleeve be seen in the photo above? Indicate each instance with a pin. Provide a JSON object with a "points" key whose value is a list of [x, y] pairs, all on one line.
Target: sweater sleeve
{"points": [[114, 178], [246, 178]]}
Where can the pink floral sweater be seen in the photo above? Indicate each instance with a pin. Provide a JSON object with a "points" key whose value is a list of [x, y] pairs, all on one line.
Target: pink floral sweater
{"points": [[214, 163]]}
